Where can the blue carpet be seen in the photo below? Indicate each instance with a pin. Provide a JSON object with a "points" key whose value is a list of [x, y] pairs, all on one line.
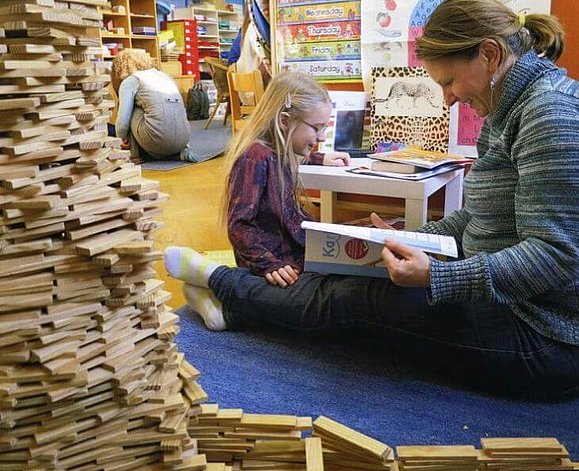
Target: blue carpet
{"points": [[204, 143], [354, 382]]}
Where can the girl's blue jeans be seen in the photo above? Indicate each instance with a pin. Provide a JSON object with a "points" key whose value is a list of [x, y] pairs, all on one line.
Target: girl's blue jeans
{"points": [[483, 344]]}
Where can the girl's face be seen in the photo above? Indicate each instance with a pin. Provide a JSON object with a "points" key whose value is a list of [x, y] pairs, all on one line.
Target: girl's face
{"points": [[311, 130], [464, 81]]}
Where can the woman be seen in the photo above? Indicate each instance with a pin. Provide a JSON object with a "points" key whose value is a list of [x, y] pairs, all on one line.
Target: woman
{"points": [[506, 314], [151, 118]]}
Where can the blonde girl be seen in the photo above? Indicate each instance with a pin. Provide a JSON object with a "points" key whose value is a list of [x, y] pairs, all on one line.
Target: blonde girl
{"points": [[264, 215], [260, 203]]}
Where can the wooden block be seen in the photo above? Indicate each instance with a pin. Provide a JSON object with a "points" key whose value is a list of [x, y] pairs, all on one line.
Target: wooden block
{"points": [[268, 421], [314, 455], [521, 444], [192, 463], [103, 242], [328, 427], [459, 452], [210, 410], [18, 103], [134, 247]]}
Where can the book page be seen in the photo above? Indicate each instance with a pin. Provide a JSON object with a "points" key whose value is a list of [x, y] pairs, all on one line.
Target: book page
{"points": [[432, 243]]}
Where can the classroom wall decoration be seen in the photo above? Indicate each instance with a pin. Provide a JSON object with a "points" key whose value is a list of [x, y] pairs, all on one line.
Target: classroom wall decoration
{"points": [[407, 107], [389, 29], [321, 39], [342, 42]]}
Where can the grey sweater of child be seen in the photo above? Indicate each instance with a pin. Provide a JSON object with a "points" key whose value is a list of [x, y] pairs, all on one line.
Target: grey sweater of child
{"points": [[519, 227]]}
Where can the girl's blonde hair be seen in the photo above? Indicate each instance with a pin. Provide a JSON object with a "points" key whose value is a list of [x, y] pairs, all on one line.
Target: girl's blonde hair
{"points": [[127, 62], [293, 93], [457, 28]]}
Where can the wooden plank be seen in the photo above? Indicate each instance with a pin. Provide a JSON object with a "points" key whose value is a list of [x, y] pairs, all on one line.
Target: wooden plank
{"points": [[314, 454], [530, 444], [325, 426], [459, 453], [18, 103]]}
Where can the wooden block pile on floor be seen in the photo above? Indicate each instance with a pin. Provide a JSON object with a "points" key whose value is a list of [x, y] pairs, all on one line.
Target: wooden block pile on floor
{"points": [[278, 442], [90, 376], [511, 454]]}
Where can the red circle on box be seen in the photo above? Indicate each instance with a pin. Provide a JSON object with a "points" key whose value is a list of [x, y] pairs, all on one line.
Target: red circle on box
{"points": [[356, 249]]}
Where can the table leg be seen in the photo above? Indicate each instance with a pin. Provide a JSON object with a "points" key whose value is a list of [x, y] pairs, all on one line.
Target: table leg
{"points": [[328, 206], [415, 212], [453, 194]]}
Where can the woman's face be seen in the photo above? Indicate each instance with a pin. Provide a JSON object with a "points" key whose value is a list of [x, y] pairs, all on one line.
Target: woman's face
{"points": [[311, 129], [464, 81]]}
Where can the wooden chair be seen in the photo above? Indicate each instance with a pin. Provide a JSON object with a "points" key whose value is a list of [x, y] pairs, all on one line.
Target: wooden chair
{"points": [[219, 70], [250, 86]]}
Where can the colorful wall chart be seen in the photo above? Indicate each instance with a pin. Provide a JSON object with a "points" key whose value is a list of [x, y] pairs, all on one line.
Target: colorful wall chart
{"points": [[321, 39]]}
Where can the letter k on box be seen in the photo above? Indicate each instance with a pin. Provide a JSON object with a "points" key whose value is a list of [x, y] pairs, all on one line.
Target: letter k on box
{"points": [[334, 253]]}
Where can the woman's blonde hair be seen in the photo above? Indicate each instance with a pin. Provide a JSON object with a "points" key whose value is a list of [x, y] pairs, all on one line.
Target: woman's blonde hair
{"points": [[457, 28], [293, 93], [127, 62]]}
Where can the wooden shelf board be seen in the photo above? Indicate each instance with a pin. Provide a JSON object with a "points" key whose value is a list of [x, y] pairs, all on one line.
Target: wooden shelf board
{"points": [[114, 36]]}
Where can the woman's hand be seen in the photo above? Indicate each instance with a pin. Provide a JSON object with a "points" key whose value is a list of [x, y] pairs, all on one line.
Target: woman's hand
{"points": [[125, 143], [408, 267], [283, 276], [337, 159], [379, 222]]}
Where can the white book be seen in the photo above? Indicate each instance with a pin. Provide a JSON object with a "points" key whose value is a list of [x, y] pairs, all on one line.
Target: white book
{"points": [[431, 243]]}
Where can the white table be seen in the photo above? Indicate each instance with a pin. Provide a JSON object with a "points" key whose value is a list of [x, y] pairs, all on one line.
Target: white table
{"points": [[333, 180]]}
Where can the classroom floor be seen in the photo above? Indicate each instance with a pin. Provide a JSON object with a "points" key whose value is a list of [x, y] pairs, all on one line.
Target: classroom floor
{"points": [[190, 215]]}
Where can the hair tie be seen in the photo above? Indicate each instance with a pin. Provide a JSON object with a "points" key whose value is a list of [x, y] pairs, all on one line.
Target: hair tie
{"points": [[521, 17], [288, 101]]}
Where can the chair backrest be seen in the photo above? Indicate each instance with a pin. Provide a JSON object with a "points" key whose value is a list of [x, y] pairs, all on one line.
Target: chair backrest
{"points": [[219, 70], [245, 91]]}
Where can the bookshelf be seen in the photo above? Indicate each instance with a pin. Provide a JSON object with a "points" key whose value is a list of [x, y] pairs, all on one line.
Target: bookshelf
{"points": [[229, 23], [130, 24], [216, 30]]}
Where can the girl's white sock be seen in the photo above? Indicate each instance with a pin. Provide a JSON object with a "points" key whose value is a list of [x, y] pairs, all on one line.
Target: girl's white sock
{"points": [[204, 302], [189, 266]]}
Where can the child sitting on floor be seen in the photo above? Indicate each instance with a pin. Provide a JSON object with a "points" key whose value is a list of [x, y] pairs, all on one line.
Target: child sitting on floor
{"points": [[264, 215]]}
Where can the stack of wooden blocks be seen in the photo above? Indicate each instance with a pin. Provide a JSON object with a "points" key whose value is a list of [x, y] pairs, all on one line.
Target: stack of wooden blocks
{"points": [[346, 449], [277, 442], [520, 454], [231, 434], [437, 458], [90, 377]]}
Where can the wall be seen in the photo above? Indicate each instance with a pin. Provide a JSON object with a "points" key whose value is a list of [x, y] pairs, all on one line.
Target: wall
{"points": [[568, 11]]}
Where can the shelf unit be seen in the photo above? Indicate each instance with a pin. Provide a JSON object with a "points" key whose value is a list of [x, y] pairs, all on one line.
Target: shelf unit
{"points": [[229, 23], [213, 38], [125, 18]]}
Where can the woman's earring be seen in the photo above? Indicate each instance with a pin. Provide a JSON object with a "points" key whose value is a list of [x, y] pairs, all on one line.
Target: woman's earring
{"points": [[493, 83]]}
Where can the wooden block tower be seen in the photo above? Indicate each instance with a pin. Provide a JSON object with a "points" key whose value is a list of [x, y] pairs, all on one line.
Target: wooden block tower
{"points": [[90, 377]]}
